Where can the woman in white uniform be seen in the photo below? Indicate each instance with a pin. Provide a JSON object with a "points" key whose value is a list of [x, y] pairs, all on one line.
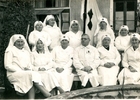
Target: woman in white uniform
{"points": [[62, 58], [122, 41], [131, 62], [19, 68], [110, 58], [43, 64], [38, 33], [50, 27], [74, 34], [103, 28], [108, 68]]}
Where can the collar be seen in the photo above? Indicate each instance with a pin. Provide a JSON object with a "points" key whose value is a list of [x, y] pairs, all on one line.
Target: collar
{"points": [[19, 49], [136, 49], [88, 46]]}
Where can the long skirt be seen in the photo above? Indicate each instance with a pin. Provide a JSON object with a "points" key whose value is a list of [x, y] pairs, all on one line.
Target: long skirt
{"points": [[92, 77], [65, 79], [128, 77], [21, 80], [108, 75], [49, 79]]}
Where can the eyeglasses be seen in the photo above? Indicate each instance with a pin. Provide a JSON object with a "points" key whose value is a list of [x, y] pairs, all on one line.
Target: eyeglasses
{"points": [[84, 38]]}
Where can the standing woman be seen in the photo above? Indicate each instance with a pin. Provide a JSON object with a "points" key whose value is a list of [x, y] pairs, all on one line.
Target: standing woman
{"points": [[19, 68], [74, 34], [38, 33], [51, 28], [103, 27], [43, 64], [110, 58], [131, 62], [122, 42]]}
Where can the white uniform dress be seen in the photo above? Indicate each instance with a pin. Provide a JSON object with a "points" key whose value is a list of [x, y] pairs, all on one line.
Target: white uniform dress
{"points": [[35, 35], [54, 33], [87, 56], [122, 42], [15, 62], [131, 58], [48, 77], [101, 33], [75, 38], [63, 59], [108, 75]]}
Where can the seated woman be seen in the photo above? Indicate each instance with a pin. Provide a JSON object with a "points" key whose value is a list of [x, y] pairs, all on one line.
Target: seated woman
{"points": [[103, 28], [62, 58], [19, 68], [36, 33], [43, 64], [74, 34], [110, 58], [50, 28], [131, 62]]}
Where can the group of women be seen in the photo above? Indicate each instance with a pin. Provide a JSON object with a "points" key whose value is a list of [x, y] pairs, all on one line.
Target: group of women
{"points": [[48, 64]]}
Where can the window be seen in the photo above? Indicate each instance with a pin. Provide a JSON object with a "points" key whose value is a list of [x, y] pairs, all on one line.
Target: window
{"points": [[51, 3], [59, 8], [125, 14]]}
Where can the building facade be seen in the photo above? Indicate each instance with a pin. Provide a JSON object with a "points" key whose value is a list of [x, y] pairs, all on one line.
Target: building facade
{"points": [[118, 12]]}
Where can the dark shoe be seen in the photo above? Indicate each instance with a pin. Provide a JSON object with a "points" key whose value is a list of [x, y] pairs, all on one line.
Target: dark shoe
{"points": [[20, 94]]}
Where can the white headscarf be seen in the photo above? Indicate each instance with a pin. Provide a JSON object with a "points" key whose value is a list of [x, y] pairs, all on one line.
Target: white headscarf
{"points": [[136, 35], [48, 17], [43, 41], [108, 28], [72, 22], [106, 35], [64, 37], [123, 27], [37, 22], [14, 38]]}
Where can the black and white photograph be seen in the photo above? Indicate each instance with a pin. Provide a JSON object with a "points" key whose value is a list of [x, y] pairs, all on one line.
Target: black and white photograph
{"points": [[69, 49]]}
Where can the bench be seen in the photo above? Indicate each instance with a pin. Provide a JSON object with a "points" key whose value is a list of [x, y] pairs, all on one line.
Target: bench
{"points": [[76, 80], [76, 77]]}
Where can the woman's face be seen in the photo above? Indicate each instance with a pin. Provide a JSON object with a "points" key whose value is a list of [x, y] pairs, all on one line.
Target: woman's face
{"points": [[75, 27], [103, 25], [64, 43], [134, 42], [106, 41], [19, 43], [39, 27], [51, 21], [123, 32], [39, 45]]}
